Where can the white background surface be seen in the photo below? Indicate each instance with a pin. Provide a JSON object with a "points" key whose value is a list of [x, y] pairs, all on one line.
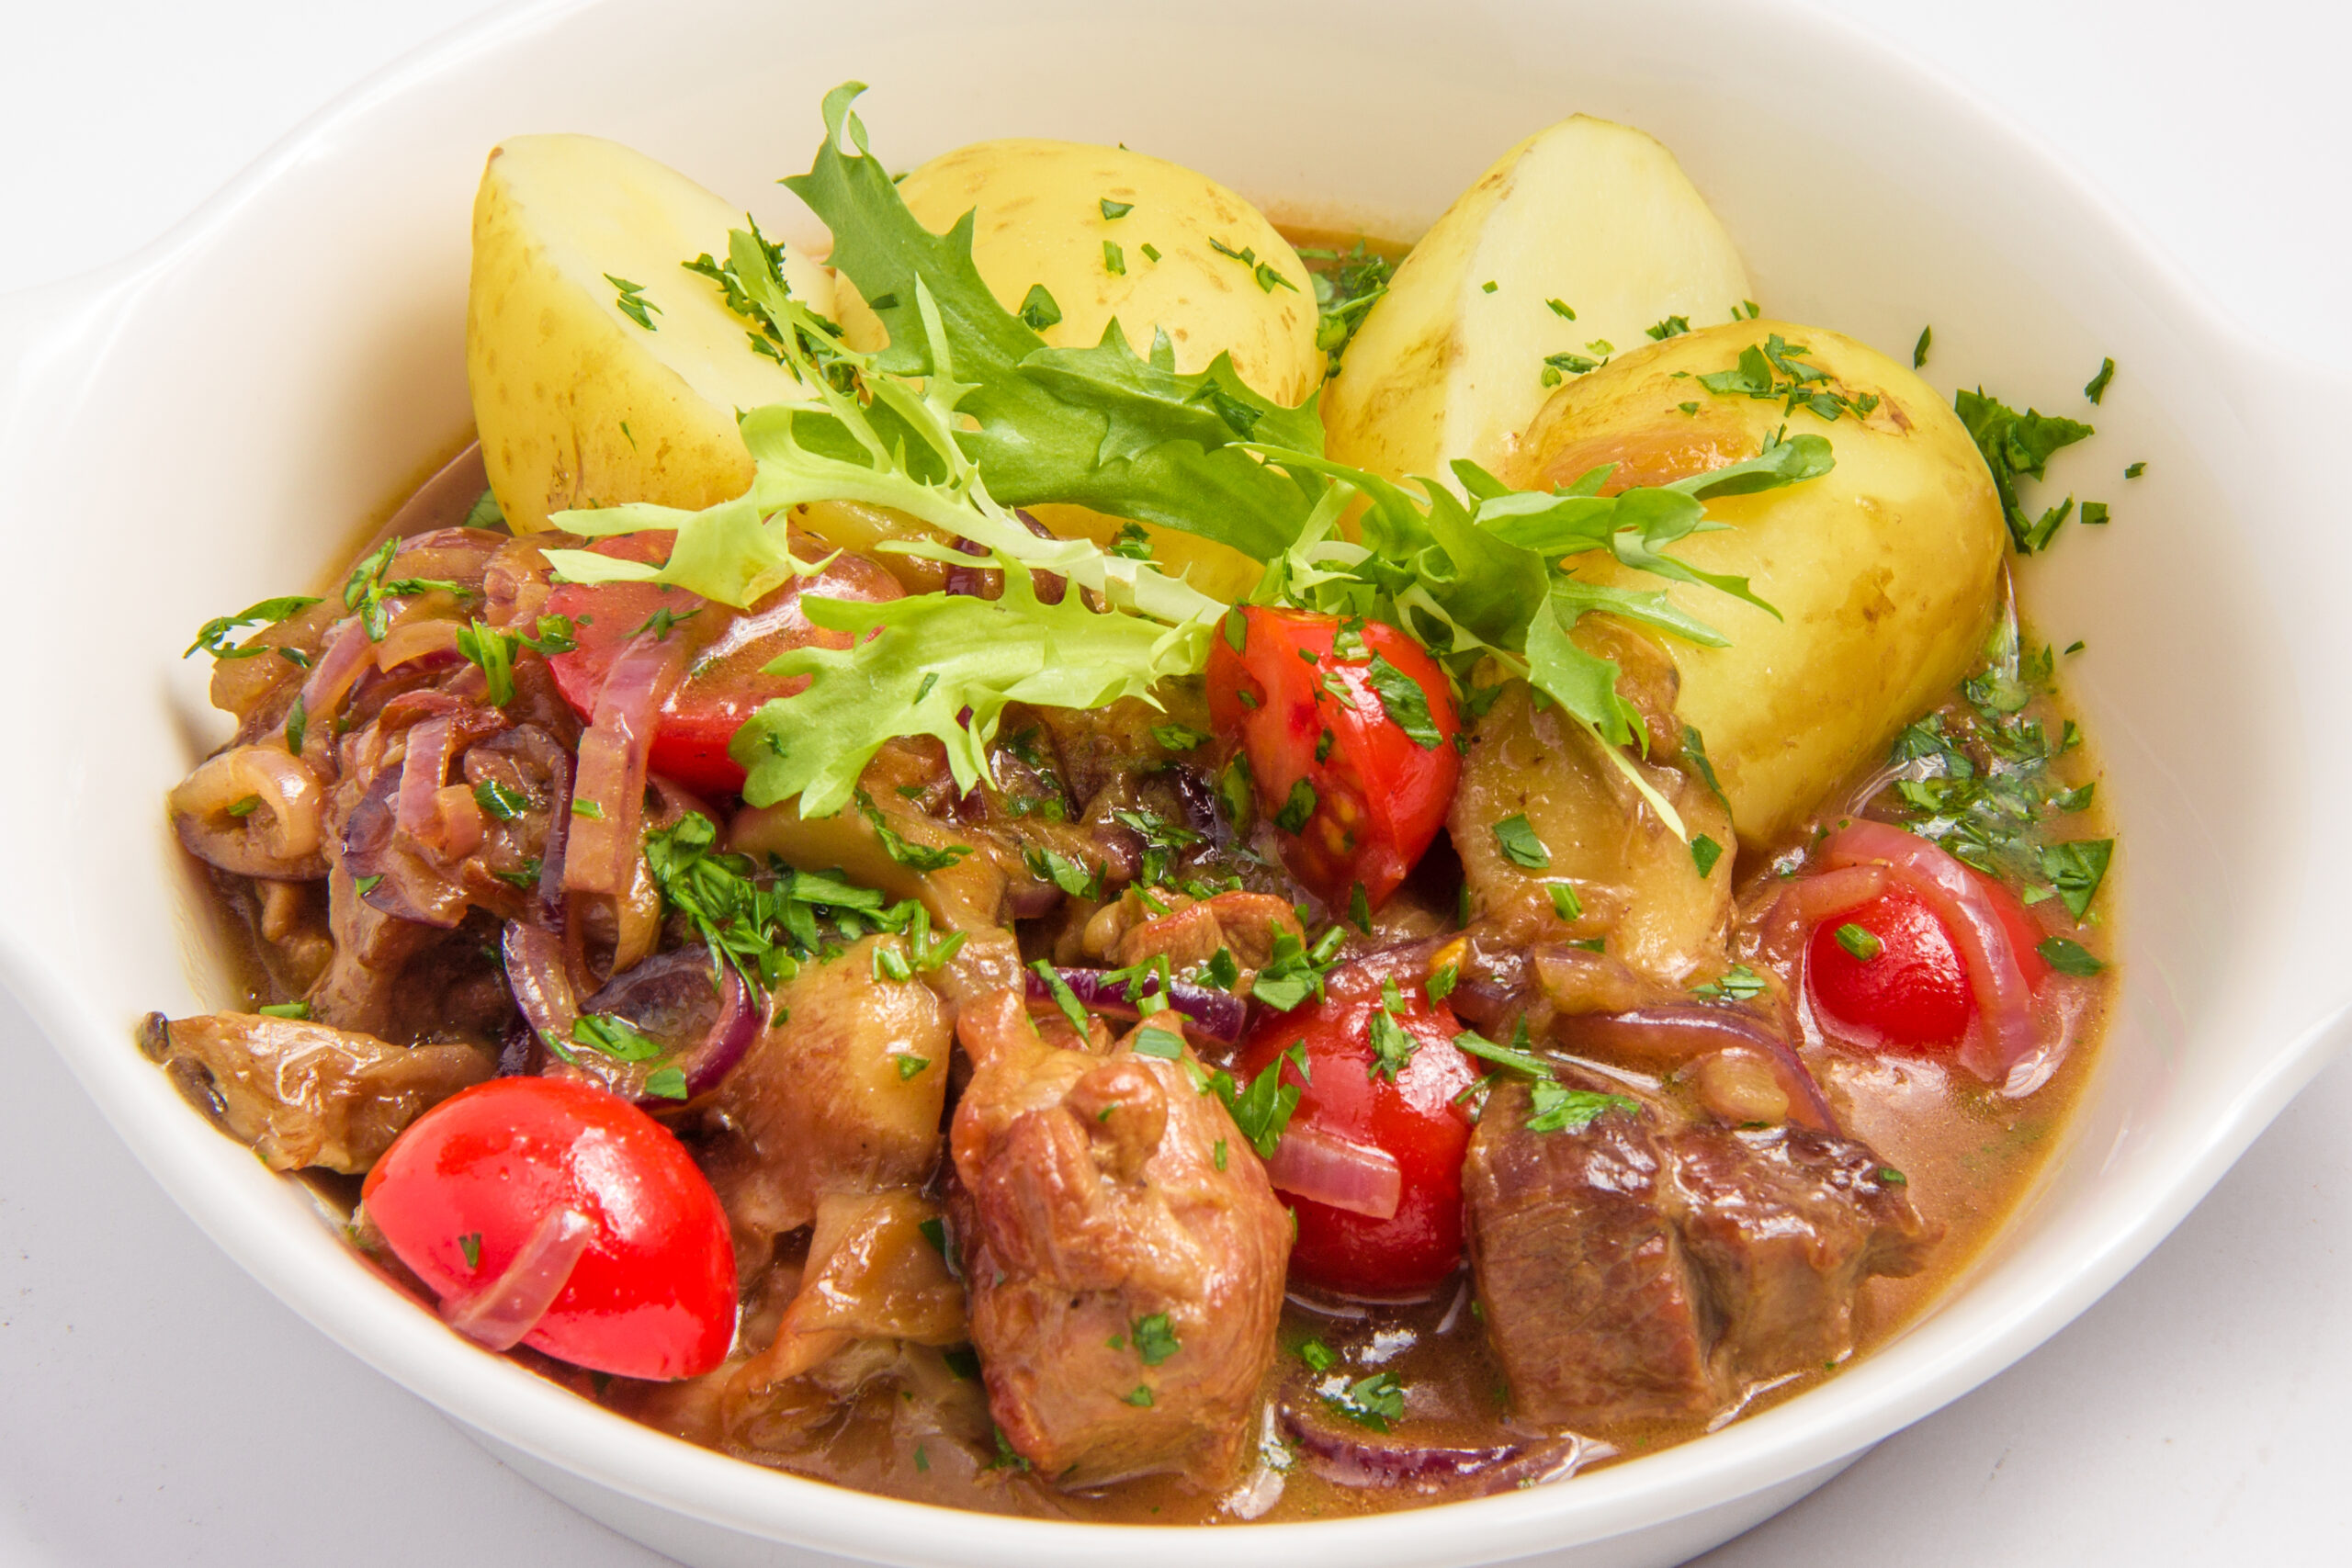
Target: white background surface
{"points": [[157, 1406]]}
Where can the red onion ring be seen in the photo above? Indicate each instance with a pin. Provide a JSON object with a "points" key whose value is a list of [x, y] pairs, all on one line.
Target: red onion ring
{"points": [[501, 1315], [1337, 1172], [423, 773], [540, 982], [553, 908], [347, 655], [1679, 1033], [1218, 1015], [611, 773], [1348, 1460], [2005, 1036], [666, 997]]}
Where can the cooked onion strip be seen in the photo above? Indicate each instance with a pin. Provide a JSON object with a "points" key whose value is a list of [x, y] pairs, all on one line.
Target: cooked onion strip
{"points": [[1337, 1172], [499, 1315], [2005, 1036], [608, 804]]}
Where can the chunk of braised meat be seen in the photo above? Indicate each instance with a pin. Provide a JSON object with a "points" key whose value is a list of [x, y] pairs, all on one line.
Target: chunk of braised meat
{"points": [[876, 1272], [1542, 806], [1589, 1298], [1784, 1223], [842, 1094], [303, 1093], [1124, 1254], [1638, 1269], [1193, 930]]}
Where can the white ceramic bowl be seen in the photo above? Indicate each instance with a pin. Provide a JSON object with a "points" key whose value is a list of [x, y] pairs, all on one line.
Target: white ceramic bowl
{"points": [[215, 420]]}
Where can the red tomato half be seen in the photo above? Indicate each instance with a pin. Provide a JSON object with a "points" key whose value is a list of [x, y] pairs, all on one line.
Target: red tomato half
{"points": [[1357, 797], [724, 685], [653, 1296], [1413, 1117], [1915, 994]]}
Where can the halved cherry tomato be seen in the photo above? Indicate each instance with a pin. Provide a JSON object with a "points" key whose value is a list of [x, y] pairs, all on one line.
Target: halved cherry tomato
{"points": [[1914, 994], [1330, 759], [460, 1192], [1414, 1117], [725, 683]]}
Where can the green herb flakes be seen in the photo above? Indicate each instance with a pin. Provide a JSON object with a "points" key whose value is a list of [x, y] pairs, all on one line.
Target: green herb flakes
{"points": [[2069, 957], [1862, 944], [1521, 846], [1704, 853]]}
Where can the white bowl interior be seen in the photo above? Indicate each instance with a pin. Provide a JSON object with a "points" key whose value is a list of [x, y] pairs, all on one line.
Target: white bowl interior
{"points": [[244, 401]]}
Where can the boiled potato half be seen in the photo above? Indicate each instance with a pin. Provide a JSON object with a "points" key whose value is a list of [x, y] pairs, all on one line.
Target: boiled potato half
{"points": [[1184, 255], [1451, 363], [1885, 571], [579, 403]]}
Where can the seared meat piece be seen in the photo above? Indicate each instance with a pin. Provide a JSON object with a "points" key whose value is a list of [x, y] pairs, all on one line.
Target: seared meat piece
{"points": [[1188, 935], [842, 1094], [1124, 1254], [1590, 1299], [1632, 878], [1631, 1271], [303, 1093], [1784, 1225]]}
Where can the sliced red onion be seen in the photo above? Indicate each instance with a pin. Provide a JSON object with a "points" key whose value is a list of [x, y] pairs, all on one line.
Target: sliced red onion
{"points": [[346, 655], [540, 982], [1218, 1015], [553, 906], [1349, 1459], [705, 1022], [1678, 1033], [501, 1315], [608, 801], [2005, 1036], [1337, 1172], [423, 773], [1809, 901], [397, 883]]}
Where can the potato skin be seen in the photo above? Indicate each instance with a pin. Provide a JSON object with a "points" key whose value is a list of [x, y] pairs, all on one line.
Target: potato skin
{"points": [[1887, 570], [1039, 219], [1451, 362], [555, 367]]}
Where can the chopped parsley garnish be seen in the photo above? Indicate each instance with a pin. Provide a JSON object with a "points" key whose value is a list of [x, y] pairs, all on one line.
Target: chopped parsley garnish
{"points": [[1223, 970], [2094, 514], [1114, 260], [1564, 902], [582, 806], [1218, 1157], [2069, 957], [1392, 1045], [1317, 1356], [1673, 326], [1565, 364], [1360, 908], [213, 637], [1704, 853], [2096, 388], [1488, 286], [1890, 1177], [1521, 846], [666, 1083], [902, 851], [2135, 471], [2018, 446], [1559, 1109], [1038, 310], [469, 1244], [1140, 1396], [1006, 1457], [910, 1067], [1151, 250], [1739, 983], [1117, 209], [364, 886], [1861, 943], [2075, 869], [297, 1011], [364, 590], [616, 1037], [1296, 808], [1263, 1110], [1159, 1044], [1560, 309], [1073, 878], [1515, 1058], [485, 512], [1064, 997], [890, 964], [1376, 1402], [1694, 747], [244, 805], [1919, 349], [497, 800], [1179, 737], [633, 302], [492, 652], [1155, 1340], [1407, 705], [1777, 369]]}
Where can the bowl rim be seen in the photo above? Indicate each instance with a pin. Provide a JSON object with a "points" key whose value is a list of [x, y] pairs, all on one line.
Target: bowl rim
{"points": [[406, 1343]]}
